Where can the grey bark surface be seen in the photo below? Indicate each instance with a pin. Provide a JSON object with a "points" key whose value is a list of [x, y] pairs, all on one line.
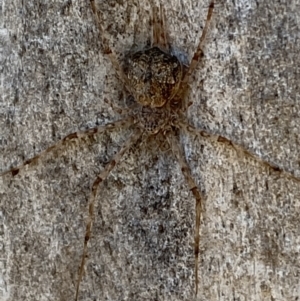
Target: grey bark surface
{"points": [[54, 79]]}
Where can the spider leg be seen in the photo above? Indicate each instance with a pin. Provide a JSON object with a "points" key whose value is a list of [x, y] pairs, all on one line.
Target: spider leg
{"points": [[107, 49], [159, 31], [76, 135], [119, 110], [103, 175], [184, 125], [198, 54], [178, 152]]}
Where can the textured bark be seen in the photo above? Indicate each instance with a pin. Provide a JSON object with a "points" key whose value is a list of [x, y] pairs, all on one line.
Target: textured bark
{"points": [[54, 79]]}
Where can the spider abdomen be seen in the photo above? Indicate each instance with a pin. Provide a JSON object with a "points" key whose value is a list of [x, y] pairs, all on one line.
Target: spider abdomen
{"points": [[153, 76], [152, 120]]}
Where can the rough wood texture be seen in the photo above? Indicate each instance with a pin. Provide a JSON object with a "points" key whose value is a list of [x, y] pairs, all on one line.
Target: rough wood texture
{"points": [[54, 81]]}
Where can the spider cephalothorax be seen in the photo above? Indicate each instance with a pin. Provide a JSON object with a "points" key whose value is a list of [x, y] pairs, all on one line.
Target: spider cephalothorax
{"points": [[153, 76]]}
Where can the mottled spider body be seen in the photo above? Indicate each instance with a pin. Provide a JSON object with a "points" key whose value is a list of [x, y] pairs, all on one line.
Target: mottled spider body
{"points": [[152, 120], [153, 76]]}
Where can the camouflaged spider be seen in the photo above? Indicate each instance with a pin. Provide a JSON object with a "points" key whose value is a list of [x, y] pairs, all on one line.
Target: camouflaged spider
{"points": [[158, 82]]}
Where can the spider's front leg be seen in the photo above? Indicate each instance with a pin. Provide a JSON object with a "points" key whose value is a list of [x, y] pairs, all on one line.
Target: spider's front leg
{"points": [[105, 42], [159, 32], [198, 53]]}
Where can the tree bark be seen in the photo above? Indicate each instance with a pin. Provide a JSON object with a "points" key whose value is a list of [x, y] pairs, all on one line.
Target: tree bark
{"points": [[55, 78]]}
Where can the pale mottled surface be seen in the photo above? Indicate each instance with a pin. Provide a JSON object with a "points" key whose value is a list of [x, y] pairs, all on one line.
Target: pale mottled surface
{"points": [[54, 79]]}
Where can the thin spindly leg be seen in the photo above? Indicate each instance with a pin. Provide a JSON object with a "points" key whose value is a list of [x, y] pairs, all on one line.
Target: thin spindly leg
{"points": [[186, 127], [123, 111], [197, 55], [159, 31], [178, 152], [77, 135], [103, 175], [105, 43]]}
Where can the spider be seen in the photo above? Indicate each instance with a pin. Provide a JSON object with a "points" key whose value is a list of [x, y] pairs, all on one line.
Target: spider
{"points": [[158, 81]]}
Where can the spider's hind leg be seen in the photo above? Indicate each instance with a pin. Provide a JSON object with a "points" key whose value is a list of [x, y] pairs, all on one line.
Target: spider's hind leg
{"points": [[103, 175], [185, 169]]}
